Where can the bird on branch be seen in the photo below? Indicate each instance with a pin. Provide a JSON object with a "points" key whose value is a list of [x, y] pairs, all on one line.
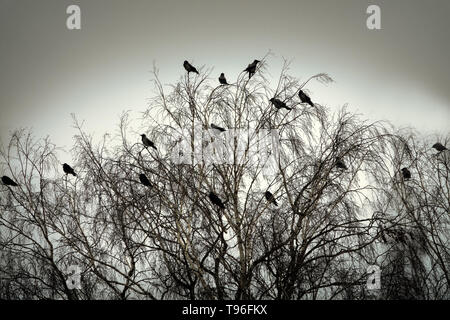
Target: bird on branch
{"points": [[189, 67], [340, 164], [279, 104], [269, 197], [68, 170], [8, 181], [216, 200], [406, 173], [144, 180], [147, 142], [304, 98], [217, 127], [439, 147], [222, 79], [251, 68]]}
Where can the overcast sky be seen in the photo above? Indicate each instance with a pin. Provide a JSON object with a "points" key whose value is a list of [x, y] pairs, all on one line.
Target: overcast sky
{"points": [[400, 73]]}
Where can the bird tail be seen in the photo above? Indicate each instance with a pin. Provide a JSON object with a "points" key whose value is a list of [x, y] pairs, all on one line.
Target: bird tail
{"points": [[74, 174], [289, 108], [311, 104], [154, 147]]}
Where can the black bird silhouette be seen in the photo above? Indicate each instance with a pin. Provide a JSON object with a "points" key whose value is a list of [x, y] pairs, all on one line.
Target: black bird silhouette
{"points": [[146, 141], [68, 170], [251, 68], [279, 104], [144, 180], [340, 163], [439, 147], [217, 127], [189, 67], [304, 98], [270, 198], [216, 200], [406, 173], [8, 181], [222, 79]]}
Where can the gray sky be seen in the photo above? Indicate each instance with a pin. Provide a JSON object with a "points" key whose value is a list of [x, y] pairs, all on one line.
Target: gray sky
{"points": [[400, 73]]}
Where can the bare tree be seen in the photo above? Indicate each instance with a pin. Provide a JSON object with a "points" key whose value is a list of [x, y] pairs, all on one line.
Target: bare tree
{"points": [[341, 204]]}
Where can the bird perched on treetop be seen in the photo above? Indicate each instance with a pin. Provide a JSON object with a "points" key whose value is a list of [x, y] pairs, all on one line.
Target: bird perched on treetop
{"points": [[270, 198], [251, 68], [304, 98], [217, 127], [439, 147], [147, 143], [144, 180], [406, 173], [279, 104], [340, 163], [216, 200], [189, 68], [68, 170], [222, 79], [8, 181]]}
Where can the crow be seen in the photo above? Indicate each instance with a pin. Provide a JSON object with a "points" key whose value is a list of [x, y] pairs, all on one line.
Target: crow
{"points": [[251, 68], [270, 198], [222, 79], [340, 164], [217, 127], [406, 173], [189, 68], [439, 147], [147, 143], [68, 170], [304, 98], [8, 181], [279, 104], [144, 180], [216, 200]]}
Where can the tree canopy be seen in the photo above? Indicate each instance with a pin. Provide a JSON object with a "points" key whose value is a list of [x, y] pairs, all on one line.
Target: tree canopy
{"points": [[342, 203]]}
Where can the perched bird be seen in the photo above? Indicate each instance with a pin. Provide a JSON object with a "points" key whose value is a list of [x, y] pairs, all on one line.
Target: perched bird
{"points": [[217, 127], [68, 170], [439, 147], [251, 68], [189, 68], [147, 143], [383, 237], [304, 98], [270, 198], [279, 104], [340, 164], [222, 79], [406, 173], [216, 200], [8, 181], [144, 180]]}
